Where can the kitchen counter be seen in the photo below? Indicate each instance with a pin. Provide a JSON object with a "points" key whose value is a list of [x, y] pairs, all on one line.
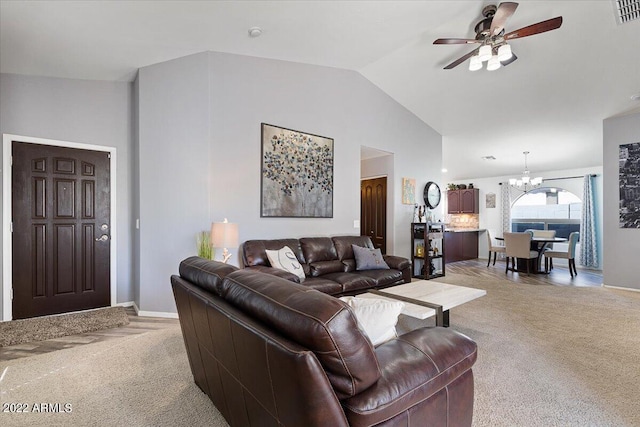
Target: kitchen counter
{"points": [[463, 230], [461, 244]]}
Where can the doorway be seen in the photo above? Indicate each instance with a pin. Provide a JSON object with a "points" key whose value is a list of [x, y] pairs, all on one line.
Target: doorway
{"points": [[61, 222], [373, 211]]}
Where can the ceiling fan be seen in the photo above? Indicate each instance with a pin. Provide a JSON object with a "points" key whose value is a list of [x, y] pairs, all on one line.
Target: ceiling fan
{"points": [[490, 35]]}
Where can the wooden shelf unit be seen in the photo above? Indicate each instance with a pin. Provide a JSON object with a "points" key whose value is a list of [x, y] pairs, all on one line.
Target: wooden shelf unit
{"points": [[431, 263]]}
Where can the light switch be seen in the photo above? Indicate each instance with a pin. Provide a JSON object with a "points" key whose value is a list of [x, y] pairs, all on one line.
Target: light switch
{"points": [[356, 223]]}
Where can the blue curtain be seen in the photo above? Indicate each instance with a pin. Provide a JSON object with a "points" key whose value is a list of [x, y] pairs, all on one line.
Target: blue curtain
{"points": [[505, 207], [588, 234]]}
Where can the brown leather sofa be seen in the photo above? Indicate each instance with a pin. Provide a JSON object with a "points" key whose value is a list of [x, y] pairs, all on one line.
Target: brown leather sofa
{"points": [[275, 353], [329, 264]]}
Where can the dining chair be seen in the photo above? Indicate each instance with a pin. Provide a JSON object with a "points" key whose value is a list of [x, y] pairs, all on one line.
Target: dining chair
{"points": [[569, 255], [518, 246], [494, 249], [547, 234]]}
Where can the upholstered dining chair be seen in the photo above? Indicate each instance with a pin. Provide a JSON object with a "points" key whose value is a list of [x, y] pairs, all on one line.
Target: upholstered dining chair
{"points": [[518, 245], [495, 249], [569, 255], [547, 234]]}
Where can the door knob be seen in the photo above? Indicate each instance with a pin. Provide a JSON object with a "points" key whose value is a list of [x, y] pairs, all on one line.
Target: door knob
{"points": [[102, 238]]}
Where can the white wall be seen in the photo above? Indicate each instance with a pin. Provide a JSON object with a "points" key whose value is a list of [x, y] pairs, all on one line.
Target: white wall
{"points": [[489, 218], [621, 245], [331, 102], [90, 112]]}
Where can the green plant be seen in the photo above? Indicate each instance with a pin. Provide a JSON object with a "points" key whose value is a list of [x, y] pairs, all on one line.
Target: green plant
{"points": [[203, 242], [451, 186]]}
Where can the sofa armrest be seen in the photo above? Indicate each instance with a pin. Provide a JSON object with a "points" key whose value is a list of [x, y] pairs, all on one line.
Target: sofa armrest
{"points": [[399, 263], [275, 272], [415, 366]]}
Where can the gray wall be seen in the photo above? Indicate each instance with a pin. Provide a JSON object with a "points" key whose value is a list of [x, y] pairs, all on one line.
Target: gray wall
{"points": [[174, 172], [621, 245], [91, 112]]}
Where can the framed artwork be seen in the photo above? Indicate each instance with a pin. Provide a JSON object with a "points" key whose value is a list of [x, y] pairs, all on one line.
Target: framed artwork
{"points": [[296, 174], [629, 180], [408, 191], [490, 200]]}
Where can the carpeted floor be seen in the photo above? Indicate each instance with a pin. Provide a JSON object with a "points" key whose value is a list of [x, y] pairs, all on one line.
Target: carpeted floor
{"points": [[548, 356], [47, 327]]}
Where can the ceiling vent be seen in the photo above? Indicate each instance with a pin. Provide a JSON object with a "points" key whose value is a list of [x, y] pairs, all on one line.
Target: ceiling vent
{"points": [[627, 10]]}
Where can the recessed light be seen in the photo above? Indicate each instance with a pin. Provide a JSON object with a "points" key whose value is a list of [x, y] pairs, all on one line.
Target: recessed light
{"points": [[255, 32], [444, 170], [488, 158]]}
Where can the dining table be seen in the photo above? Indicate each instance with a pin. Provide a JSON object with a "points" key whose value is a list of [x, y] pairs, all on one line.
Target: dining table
{"points": [[538, 244]]}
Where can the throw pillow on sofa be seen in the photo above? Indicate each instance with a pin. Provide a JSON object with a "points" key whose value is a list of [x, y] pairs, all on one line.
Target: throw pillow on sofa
{"points": [[378, 317], [369, 259], [285, 259]]}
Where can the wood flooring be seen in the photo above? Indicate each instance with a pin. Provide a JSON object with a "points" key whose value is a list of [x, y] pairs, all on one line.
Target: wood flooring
{"points": [[559, 276]]}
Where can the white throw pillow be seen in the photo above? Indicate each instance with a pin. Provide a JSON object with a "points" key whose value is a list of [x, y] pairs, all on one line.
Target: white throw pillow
{"points": [[377, 317], [285, 259]]}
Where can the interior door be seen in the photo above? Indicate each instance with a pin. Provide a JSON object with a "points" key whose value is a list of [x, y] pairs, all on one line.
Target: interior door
{"points": [[61, 229], [373, 211]]}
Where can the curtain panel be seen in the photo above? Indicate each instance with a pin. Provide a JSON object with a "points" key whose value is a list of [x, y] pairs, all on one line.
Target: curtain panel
{"points": [[588, 233]]}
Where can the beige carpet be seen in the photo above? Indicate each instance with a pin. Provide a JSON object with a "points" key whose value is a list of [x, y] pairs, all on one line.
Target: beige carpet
{"points": [[47, 327], [548, 356]]}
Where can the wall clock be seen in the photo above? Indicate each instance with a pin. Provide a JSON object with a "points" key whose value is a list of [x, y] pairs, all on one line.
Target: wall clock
{"points": [[432, 195]]}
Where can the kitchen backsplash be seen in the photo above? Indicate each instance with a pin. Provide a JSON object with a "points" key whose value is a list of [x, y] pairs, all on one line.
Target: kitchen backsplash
{"points": [[463, 221]]}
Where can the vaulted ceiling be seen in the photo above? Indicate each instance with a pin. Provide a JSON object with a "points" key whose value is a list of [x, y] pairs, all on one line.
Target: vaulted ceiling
{"points": [[551, 101]]}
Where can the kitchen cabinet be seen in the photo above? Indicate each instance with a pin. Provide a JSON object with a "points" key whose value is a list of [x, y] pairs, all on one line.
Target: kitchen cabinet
{"points": [[463, 201], [461, 245]]}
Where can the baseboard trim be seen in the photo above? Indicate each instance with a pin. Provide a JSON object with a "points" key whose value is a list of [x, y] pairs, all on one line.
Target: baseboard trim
{"points": [[622, 288], [165, 315], [126, 304]]}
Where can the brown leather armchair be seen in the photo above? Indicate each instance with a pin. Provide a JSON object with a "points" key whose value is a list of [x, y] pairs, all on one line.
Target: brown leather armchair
{"points": [[271, 352]]}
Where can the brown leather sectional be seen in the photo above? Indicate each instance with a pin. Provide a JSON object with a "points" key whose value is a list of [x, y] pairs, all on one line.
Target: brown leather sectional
{"points": [[329, 264], [270, 352]]}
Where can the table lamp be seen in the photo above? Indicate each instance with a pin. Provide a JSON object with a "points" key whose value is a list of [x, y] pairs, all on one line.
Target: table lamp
{"points": [[224, 235]]}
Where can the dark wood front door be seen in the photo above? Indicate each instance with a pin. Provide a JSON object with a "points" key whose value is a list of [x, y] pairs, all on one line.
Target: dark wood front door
{"points": [[61, 229], [373, 211]]}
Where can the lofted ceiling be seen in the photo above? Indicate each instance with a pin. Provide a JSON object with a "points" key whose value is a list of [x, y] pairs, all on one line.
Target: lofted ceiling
{"points": [[551, 101]]}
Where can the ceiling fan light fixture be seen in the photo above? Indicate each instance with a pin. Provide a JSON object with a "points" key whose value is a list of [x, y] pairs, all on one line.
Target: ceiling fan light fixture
{"points": [[484, 53], [504, 52], [494, 63], [475, 64]]}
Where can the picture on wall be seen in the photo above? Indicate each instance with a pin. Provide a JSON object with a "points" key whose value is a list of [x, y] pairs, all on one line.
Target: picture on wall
{"points": [[296, 174], [408, 191], [629, 179], [490, 200]]}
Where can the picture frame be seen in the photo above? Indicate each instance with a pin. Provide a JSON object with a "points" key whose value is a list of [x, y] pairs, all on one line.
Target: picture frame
{"points": [[296, 174], [628, 181], [490, 200], [408, 191]]}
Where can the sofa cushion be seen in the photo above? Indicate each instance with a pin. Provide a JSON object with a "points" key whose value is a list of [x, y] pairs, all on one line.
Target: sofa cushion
{"points": [[321, 268], [369, 259], [343, 245], [378, 317], [317, 249], [383, 277], [323, 285], [205, 273], [285, 259], [319, 322], [351, 282], [254, 251]]}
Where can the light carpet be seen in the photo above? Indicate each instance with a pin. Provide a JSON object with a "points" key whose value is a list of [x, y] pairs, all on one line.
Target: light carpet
{"points": [[548, 356]]}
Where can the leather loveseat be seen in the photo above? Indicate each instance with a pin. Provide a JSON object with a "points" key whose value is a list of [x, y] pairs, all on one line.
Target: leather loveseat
{"points": [[329, 264], [271, 352]]}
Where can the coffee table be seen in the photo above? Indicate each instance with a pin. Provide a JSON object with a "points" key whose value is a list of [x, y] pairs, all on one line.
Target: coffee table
{"points": [[426, 298]]}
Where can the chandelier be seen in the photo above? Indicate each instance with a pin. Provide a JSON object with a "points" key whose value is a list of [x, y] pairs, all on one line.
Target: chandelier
{"points": [[525, 182]]}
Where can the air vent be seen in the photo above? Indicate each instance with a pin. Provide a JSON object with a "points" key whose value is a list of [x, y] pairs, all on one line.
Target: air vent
{"points": [[627, 10], [488, 158]]}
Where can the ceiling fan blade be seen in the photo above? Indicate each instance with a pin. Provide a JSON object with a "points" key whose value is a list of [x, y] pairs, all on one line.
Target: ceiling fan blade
{"points": [[461, 59], [504, 12], [540, 27], [456, 41], [509, 61]]}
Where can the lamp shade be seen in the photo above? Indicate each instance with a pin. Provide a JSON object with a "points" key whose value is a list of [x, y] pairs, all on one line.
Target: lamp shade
{"points": [[475, 64], [504, 52], [224, 234], [484, 53], [494, 63]]}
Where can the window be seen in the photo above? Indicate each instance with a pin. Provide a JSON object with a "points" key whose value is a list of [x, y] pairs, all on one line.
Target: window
{"points": [[547, 208]]}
